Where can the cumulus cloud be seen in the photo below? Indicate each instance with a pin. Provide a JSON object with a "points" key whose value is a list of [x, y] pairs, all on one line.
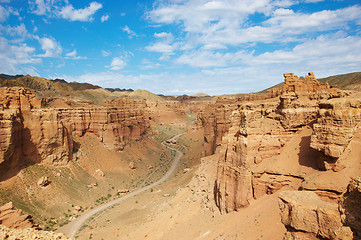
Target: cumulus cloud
{"points": [[19, 31], [4, 14], [50, 46], [45, 7], [117, 63], [85, 14], [161, 47], [165, 45], [130, 33], [15, 58], [163, 35], [73, 55], [218, 24], [104, 18]]}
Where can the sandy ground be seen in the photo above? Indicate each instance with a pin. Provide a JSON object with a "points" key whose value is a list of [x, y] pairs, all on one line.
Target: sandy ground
{"points": [[187, 213]]}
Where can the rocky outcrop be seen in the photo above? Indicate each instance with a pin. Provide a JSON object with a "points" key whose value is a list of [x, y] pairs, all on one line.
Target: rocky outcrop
{"points": [[259, 130], [31, 133], [15, 218], [43, 181], [30, 234], [305, 214], [252, 138], [299, 100], [350, 207], [337, 122], [215, 118]]}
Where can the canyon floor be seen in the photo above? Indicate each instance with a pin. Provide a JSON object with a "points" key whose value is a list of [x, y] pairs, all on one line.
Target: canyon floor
{"points": [[181, 215]]}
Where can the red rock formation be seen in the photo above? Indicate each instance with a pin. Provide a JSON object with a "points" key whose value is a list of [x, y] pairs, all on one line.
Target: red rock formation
{"points": [[15, 218], [300, 98], [306, 216], [31, 133], [350, 207], [215, 117], [304, 86], [253, 138], [258, 132], [336, 124]]}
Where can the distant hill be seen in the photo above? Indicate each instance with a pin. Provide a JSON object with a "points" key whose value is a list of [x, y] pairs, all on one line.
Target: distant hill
{"points": [[200, 95], [58, 88], [349, 81], [119, 90], [5, 76], [42, 84], [144, 94]]}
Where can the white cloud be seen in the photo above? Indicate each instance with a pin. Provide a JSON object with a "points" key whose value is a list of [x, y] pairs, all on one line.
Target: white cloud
{"points": [[161, 47], [220, 24], [46, 7], [323, 52], [40, 7], [73, 55], [105, 53], [104, 18], [204, 59], [85, 14], [15, 58], [242, 71], [4, 14], [164, 35], [165, 45], [130, 33], [117, 63], [20, 31], [50, 46], [147, 64]]}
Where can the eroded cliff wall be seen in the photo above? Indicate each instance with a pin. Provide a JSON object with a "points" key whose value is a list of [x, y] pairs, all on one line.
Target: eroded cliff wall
{"points": [[31, 133], [286, 140]]}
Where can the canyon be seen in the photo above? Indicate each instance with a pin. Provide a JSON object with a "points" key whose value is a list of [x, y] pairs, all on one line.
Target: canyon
{"points": [[288, 156]]}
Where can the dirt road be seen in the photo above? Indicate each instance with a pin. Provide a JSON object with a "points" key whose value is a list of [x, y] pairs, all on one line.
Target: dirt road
{"points": [[73, 227]]}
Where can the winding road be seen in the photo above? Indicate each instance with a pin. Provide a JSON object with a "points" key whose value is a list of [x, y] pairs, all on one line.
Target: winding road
{"points": [[73, 227]]}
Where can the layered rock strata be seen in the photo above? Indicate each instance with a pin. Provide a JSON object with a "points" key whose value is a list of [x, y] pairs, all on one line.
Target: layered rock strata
{"points": [[30, 133], [215, 118], [350, 207], [249, 165], [15, 218], [336, 124], [306, 216]]}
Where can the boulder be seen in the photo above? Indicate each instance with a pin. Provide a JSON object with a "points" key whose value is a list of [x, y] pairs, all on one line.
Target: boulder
{"points": [[123, 191], [98, 173], [304, 212], [132, 165], [43, 181]]}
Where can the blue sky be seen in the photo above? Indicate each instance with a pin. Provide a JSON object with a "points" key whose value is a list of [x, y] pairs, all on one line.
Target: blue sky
{"points": [[180, 46]]}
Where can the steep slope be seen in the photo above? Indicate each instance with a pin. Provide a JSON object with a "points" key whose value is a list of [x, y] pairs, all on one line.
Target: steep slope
{"points": [[349, 81]]}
